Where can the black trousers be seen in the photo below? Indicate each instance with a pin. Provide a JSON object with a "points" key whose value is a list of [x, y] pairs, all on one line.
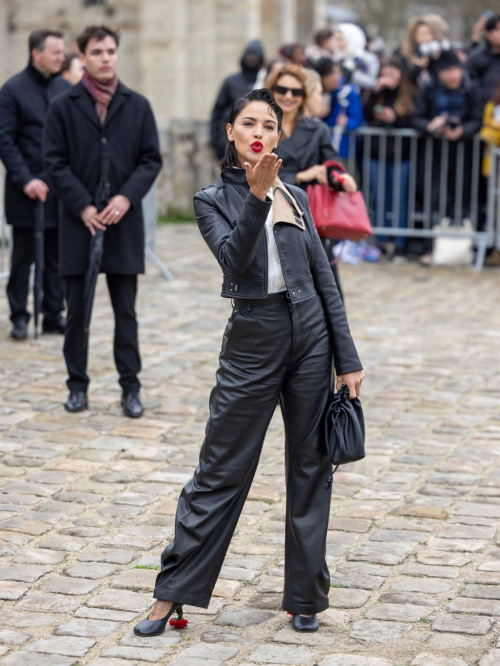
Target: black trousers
{"points": [[23, 255], [270, 353], [123, 292]]}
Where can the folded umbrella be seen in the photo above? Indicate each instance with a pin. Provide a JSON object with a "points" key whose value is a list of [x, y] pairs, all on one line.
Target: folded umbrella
{"points": [[96, 247], [39, 262]]}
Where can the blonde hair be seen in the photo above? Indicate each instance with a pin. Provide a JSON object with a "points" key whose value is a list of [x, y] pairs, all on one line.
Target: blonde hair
{"points": [[313, 81], [298, 72], [435, 22]]}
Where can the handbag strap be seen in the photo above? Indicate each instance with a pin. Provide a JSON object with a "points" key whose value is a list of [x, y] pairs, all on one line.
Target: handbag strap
{"points": [[333, 164], [329, 478]]}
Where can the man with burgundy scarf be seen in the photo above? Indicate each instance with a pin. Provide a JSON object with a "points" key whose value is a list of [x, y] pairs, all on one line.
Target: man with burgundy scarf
{"points": [[100, 115]]}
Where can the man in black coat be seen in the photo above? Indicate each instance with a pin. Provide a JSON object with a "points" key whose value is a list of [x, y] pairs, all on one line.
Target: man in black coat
{"points": [[24, 100], [100, 116], [484, 62], [234, 86]]}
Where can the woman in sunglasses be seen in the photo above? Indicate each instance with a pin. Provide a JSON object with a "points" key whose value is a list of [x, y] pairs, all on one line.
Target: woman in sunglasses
{"points": [[305, 141]]}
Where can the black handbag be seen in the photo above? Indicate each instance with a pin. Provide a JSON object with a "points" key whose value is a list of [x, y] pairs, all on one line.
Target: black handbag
{"points": [[344, 431]]}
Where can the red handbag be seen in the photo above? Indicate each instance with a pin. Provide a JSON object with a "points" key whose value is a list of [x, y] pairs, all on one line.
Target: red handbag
{"points": [[339, 215]]}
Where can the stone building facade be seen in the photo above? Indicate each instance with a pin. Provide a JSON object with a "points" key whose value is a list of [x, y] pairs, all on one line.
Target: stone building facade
{"points": [[176, 52]]}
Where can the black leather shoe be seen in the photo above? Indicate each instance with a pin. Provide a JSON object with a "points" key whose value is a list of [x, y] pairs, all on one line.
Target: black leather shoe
{"points": [[19, 330], [301, 623], [132, 405], [57, 326], [157, 627], [77, 402]]}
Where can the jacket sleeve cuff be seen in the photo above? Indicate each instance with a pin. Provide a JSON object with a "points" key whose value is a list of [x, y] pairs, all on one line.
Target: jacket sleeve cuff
{"points": [[24, 177], [258, 206], [135, 201], [346, 368]]}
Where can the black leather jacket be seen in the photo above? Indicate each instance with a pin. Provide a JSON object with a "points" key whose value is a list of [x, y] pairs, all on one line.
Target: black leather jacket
{"points": [[232, 220]]}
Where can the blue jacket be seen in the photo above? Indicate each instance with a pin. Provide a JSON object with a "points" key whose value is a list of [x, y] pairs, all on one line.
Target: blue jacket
{"points": [[353, 109]]}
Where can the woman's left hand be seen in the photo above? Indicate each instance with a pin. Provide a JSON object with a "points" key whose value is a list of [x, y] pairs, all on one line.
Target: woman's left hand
{"points": [[353, 381], [348, 183]]}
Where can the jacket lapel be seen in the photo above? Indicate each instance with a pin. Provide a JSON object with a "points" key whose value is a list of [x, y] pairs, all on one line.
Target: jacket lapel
{"points": [[285, 207], [117, 102], [85, 104]]}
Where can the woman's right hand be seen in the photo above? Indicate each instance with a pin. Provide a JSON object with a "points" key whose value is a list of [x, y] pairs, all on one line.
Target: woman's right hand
{"points": [[316, 172], [421, 63], [262, 176]]}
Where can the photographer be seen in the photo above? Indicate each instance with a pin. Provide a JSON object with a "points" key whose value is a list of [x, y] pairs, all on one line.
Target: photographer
{"points": [[424, 42], [390, 106], [450, 108]]}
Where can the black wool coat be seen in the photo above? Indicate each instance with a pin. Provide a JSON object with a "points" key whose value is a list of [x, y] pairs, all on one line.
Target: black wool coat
{"points": [[24, 102], [73, 143], [309, 144]]}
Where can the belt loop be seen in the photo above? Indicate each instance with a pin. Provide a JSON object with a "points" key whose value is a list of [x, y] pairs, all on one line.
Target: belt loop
{"points": [[233, 303], [250, 306]]}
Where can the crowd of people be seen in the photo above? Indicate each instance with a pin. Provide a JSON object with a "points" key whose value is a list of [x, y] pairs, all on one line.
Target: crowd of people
{"points": [[429, 83]]}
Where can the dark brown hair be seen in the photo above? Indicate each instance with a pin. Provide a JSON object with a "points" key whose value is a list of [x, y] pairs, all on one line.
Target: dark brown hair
{"points": [[98, 32], [491, 23], [322, 36], [37, 38], [68, 59]]}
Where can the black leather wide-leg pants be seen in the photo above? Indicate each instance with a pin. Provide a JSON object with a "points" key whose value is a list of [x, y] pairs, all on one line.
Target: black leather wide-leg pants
{"points": [[271, 351]]}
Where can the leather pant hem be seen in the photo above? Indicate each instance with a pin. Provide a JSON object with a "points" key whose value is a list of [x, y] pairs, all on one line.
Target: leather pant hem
{"points": [[181, 598], [305, 609]]}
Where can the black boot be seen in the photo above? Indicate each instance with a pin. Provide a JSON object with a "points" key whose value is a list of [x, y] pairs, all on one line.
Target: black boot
{"points": [[54, 326], [19, 330], [301, 623], [157, 627], [132, 405], [77, 402]]}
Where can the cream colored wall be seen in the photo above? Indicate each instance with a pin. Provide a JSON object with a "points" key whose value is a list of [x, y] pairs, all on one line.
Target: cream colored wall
{"points": [[177, 52]]}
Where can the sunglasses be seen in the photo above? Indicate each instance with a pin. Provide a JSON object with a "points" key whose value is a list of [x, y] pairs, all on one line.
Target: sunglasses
{"points": [[296, 92]]}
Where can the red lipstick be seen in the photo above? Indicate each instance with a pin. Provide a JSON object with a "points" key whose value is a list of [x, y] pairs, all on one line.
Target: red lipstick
{"points": [[257, 146]]}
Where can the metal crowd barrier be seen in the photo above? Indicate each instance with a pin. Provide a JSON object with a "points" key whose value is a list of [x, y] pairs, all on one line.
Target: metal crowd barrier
{"points": [[149, 211], [494, 196], [150, 223], [434, 168]]}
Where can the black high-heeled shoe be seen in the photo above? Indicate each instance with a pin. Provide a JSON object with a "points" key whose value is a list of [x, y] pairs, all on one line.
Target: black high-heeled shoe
{"points": [[301, 623], [148, 628]]}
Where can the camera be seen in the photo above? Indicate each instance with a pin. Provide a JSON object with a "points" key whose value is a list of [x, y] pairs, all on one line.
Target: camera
{"points": [[432, 49], [453, 122]]}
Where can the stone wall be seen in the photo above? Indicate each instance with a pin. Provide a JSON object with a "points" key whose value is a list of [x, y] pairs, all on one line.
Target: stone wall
{"points": [[177, 53], [188, 165]]}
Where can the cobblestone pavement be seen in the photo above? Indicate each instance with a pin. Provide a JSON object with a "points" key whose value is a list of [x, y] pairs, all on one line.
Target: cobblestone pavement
{"points": [[88, 500]]}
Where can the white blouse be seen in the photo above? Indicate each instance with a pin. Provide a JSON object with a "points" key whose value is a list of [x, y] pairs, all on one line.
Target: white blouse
{"points": [[275, 279]]}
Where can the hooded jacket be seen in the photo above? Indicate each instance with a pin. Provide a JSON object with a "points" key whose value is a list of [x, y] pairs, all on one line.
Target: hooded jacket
{"points": [[234, 86], [363, 65], [232, 220]]}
